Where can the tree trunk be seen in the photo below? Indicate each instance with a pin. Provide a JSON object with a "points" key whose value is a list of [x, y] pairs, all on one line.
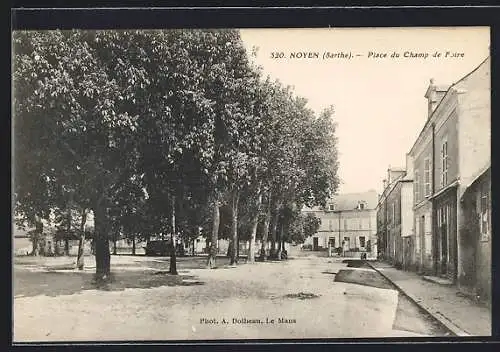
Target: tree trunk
{"points": [[237, 247], [68, 232], [265, 236], [133, 244], [114, 244], [234, 228], [215, 234], [274, 232], [253, 233], [173, 259], [280, 241], [102, 255], [56, 247], [80, 262], [34, 245], [37, 235]]}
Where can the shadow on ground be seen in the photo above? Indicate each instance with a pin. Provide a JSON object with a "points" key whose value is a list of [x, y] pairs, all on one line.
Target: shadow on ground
{"points": [[54, 283], [363, 277], [409, 316], [356, 263], [63, 279], [329, 272]]}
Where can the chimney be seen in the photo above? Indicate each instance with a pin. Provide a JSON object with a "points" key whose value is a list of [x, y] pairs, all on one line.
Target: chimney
{"points": [[409, 166], [385, 184], [434, 94], [431, 97]]}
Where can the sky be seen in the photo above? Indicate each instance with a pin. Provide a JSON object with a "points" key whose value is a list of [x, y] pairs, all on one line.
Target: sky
{"points": [[379, 102]]}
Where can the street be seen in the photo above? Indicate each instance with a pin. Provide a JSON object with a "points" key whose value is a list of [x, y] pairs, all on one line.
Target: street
{"points": [[307, 296]]}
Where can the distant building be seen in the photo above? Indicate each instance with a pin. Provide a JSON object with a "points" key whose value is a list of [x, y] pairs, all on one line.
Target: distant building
{"points": [[395, 219], [348, 222]]}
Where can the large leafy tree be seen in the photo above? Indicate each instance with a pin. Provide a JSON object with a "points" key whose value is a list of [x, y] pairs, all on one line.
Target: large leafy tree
{"points": [[72, 126], [150, 129]]}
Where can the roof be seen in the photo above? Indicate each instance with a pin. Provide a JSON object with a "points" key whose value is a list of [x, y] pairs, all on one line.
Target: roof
{"points": [[350, 201], [436, 87], [483, 172], [428, 122]]}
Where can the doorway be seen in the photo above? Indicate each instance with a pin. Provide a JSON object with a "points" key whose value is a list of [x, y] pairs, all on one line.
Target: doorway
{"points": [[315, 243], [421, 234], [443, 222], [331, 242]]}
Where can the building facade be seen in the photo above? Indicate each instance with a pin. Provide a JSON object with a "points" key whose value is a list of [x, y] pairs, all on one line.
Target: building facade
{"points": [[395, 218], [348, 223], [450, 189], [476, 236]]}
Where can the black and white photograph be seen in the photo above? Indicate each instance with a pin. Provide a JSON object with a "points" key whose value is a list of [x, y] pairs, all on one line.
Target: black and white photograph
{"points": [[251, 184]]}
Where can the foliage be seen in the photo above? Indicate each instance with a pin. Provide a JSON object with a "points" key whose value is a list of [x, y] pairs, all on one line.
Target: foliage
{"points": [[124, 122]]}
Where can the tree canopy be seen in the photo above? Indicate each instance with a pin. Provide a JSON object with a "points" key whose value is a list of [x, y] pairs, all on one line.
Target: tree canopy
{"points": [[156, 129]]}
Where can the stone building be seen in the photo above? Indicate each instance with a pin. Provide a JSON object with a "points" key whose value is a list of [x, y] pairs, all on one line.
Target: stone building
{"points": [[476, 236], [422, 155], [395, 218], [451, 151], [348, 223]]}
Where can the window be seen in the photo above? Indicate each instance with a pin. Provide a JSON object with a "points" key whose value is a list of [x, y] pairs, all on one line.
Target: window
{"points": [[330, 224], [361, 205], [444, 163], [362, 241], [331, 242], [484, 212], [345, 224], [346, 243], [331, 207], [427, 177], [417, 187]]}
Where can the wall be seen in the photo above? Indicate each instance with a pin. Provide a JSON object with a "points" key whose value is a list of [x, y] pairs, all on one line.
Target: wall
{"points": [[446, 130], [407, 209], [353, 224], [475, 277], [423, 244], [419, 170], [474, 135], [381, 227], [407, 229], [483, 256], [474, 114], [394, 242]]}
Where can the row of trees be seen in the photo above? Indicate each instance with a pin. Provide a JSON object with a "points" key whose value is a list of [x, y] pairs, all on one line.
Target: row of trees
{"points": [[159, 132]]}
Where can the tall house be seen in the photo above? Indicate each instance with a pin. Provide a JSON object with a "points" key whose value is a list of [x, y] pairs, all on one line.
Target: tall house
{"points": [[348, 221], [422, 156], [395, 218], [451, 152]]}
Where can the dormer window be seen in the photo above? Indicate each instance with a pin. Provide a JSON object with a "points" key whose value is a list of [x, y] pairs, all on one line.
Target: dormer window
{"points": [[361, 205], [331, 207]]}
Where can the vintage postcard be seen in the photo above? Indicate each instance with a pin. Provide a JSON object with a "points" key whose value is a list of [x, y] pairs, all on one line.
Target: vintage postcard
{"points": [[251, 184]]}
